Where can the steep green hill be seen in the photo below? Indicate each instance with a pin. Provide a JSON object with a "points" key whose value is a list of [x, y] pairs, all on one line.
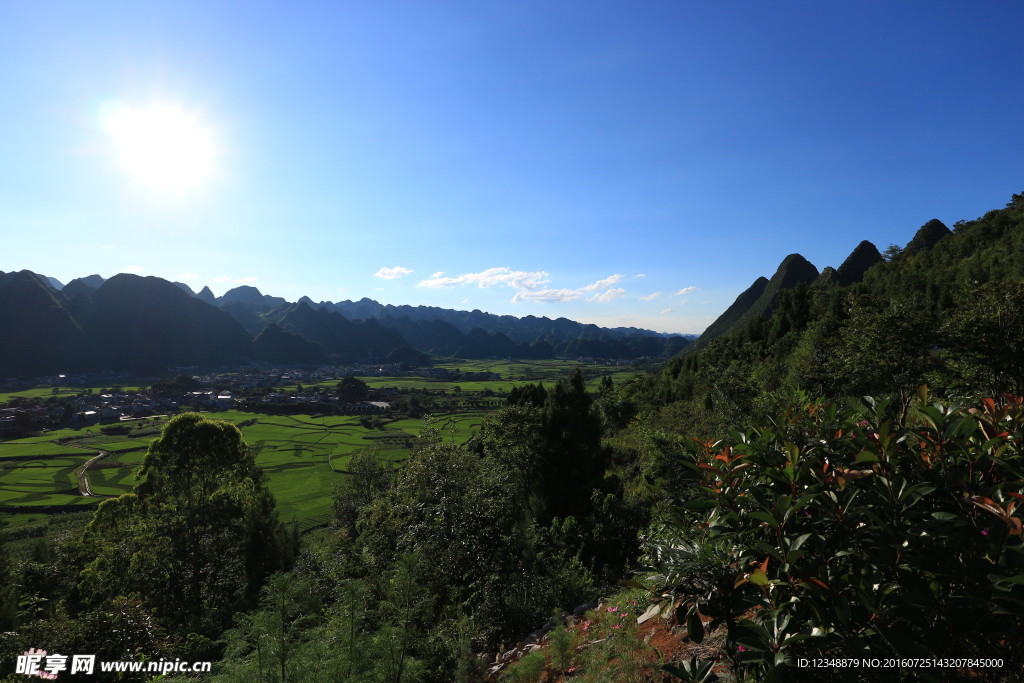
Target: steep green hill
{"points": [[759, 299]]}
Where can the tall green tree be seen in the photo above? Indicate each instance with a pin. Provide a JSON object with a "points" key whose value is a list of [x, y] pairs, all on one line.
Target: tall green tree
{"points": [[199, 534], [985, 338], [887, 348], [352, 389], [573, 461]]}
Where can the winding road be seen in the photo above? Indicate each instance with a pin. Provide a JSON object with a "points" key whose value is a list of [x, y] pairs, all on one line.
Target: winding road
{"points": [[80, 473]]}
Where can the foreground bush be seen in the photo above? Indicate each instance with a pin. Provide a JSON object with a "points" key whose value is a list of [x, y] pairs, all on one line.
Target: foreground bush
{"points": [[833, 534]]}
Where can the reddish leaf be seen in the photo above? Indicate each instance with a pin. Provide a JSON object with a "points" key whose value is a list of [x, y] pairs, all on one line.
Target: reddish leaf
{"points": [[988, 504]]}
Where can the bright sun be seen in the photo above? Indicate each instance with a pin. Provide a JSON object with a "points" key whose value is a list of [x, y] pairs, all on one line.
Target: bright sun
{"points": [[162, 146]]}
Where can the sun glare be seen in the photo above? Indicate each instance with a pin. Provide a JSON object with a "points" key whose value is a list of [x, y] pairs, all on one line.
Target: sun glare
{"points": [[161, 146]]}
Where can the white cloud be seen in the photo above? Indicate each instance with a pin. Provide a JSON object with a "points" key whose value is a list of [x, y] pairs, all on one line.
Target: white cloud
{"points": [[650, 297], [529, 285], [608, 295], [685, 290], [517, 279], [243, 280], [640, 275], [547, 296], [188, 276], [108, 247], [341, 289], [603, 284], [665, 311], [134, 269], [465, 301], [222, 278], [392, 272]]}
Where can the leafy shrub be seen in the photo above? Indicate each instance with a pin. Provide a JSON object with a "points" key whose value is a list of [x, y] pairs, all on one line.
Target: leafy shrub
{"points": [[835, 534], [561, 648], [116, 429], [528, 669]]}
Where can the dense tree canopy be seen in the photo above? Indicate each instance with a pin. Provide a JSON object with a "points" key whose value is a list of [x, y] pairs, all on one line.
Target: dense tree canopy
{"points": [[199, 534]]}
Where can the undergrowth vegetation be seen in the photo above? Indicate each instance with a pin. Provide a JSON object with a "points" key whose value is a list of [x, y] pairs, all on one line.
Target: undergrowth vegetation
{"points": [[833, 533]]}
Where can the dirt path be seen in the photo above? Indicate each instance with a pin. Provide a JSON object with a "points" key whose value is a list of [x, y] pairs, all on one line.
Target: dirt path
{"points": [[80, 473]]}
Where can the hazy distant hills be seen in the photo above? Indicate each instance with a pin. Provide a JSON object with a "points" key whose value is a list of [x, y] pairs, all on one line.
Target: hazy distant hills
{"points": [[147, 324], [37, 328], [758, 300]]}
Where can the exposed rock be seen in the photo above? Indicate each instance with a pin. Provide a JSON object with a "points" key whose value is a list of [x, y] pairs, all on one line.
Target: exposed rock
{"points": [[583, 609]]}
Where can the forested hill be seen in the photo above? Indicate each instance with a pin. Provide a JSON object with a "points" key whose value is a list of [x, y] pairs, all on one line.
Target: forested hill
{"points": [[758, 301], [147, 324], [947, 310]]}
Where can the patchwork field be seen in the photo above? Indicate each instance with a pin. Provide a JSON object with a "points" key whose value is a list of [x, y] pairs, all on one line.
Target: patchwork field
{"points": [[510, 373], [304, 457]]}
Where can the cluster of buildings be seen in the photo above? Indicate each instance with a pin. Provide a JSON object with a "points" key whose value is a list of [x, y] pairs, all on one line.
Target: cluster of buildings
{"points": [[120, 405], [258, 378], [117, 405]]}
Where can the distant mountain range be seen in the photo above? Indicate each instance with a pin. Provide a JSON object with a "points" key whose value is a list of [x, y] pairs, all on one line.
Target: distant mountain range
{"points": [[758, 300], [147, 324]]}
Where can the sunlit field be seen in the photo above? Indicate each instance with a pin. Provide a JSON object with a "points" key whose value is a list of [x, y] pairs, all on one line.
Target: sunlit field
{"points": [[303, 456]]}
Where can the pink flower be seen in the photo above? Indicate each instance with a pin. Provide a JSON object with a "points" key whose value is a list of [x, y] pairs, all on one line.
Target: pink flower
{"points": [[740, 648], [585, 625], [984, 533], [624, 615], [613, 609], [616, 625]]}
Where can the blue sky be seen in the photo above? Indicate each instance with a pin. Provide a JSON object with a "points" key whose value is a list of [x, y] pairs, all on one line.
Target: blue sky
{"points": [[610, 162]]}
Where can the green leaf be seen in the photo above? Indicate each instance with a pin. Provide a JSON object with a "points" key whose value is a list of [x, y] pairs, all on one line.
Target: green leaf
{"points": [[794, 453], [866, 456], [694, 627], [799, 541], [758, 577], [765, 517], [934, 416], [772, 552]]}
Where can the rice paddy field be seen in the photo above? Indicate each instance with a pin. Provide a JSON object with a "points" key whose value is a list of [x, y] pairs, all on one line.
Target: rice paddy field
{"points": [[304, 456], [510, 373]]}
